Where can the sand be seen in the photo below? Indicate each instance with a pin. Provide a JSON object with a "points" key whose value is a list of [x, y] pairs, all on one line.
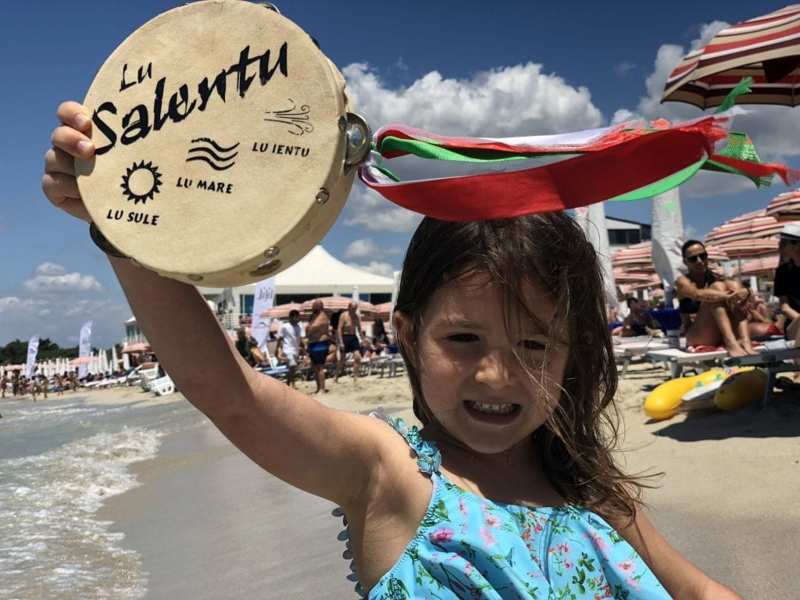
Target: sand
{"points": [[211, 524]]}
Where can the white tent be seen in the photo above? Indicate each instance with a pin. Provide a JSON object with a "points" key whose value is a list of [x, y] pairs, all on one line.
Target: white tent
{"points": [[320, 273]]}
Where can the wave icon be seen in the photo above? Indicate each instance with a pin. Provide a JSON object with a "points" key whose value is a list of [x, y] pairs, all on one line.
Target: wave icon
{"points": [[210, 152]]}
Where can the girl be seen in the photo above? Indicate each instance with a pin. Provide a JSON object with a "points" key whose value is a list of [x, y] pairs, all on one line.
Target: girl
{"points": [[509, 490]]}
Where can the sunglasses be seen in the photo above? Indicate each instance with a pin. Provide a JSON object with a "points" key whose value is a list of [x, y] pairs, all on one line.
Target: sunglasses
{"points": [[702, 256]]}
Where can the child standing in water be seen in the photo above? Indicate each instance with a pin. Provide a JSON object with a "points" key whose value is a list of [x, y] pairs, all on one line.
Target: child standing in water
{"points": [[510, 489]]}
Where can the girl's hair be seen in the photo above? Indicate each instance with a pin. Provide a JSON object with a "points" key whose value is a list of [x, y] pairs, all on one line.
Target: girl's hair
{"points": [[575, 444], [688, 243]]}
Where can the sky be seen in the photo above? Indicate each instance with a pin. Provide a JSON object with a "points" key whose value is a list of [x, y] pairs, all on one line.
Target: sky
{"points": [[468, 68]]}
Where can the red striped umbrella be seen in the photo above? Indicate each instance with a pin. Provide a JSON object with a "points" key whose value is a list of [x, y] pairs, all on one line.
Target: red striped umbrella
{"points": [[338, 303], [281, 311], [765, 265], [752, 248], [785, 207], [639, 257], [766, 48], [756, 224]]}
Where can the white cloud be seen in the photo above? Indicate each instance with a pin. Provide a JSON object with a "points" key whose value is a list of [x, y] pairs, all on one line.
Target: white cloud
{"points": [[621, 69], [378, 267], [370, 210], [49, 268], [505, 101], [361, 248], [51, 277]]}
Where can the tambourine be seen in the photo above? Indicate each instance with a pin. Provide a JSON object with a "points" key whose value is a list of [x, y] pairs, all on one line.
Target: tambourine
{"points": [[225, 149]]}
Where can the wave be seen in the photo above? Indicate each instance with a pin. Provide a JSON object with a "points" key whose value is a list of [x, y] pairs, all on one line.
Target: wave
{"points": [[217, 147], [53, 546], [212, 164], [213, 154]]}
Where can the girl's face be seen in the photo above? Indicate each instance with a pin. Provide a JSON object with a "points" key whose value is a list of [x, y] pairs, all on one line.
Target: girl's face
{"points": [[470, 378]]}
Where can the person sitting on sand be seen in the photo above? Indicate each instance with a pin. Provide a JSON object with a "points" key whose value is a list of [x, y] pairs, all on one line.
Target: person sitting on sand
{"points": [[639, 321], [713, 309], [787, 279], [347, 340], [512, 487], [318, 337]]}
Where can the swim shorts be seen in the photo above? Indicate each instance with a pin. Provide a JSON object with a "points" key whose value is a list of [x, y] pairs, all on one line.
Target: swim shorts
{"points": [[318, 352], [351, 343]]}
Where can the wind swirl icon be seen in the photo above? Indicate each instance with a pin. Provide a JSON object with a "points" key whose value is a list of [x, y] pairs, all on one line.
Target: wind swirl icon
{"points": [[210, 152]]}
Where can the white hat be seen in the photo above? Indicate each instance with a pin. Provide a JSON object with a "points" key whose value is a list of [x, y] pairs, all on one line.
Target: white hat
{"points": [[791, 231]]}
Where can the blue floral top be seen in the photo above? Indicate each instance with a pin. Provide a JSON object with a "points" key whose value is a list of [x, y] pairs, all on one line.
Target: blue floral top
{"points": [[470, 547]]}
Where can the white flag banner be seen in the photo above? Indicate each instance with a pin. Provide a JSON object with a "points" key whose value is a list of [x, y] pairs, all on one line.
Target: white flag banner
{"points": [[592, 220], [263, 301], [85, 348], [33, 350], [667, 236]]}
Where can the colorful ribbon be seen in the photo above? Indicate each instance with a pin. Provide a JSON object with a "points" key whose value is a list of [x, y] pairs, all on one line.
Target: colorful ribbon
{"points": [[625, 162]]}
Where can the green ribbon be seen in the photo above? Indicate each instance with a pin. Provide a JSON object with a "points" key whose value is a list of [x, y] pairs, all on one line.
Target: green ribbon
{"points": [[743, 87]]}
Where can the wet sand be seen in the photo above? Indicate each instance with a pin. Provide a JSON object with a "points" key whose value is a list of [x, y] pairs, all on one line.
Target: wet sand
{"points": [[211, 524]]}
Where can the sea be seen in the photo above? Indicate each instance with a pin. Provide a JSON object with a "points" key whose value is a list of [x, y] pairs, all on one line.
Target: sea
{"points": [[60, 460]]}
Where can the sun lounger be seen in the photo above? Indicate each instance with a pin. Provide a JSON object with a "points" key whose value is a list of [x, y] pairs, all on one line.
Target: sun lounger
{"points": [[678, 359], [162, 386], [627, 349]]}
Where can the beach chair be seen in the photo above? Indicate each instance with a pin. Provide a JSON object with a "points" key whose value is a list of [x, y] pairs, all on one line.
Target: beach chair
{"points": [[162, 386], [678, 359], [631, 348]]}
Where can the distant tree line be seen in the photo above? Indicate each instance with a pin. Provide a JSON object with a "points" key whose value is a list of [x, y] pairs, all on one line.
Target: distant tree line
{"points": [[16, 352]]}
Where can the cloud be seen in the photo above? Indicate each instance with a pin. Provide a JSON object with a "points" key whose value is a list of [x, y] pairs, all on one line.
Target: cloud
{"points": [[370, 210], [361, 248], [504, 101], [621, 69], [377, 267], [51, 277]]}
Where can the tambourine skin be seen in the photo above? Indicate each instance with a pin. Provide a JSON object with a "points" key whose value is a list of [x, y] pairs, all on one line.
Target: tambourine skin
{"points": [[220, 136]]}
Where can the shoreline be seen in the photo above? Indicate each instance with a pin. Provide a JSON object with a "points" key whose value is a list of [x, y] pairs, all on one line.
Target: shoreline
{"points": [[209, 523]]}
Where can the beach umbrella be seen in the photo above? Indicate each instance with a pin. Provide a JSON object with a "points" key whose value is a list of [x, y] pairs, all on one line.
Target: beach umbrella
{"points": [[383, 311], [751, 248], [765, 265], [281, 311], [334, 303], [765, 48], [755, 224], [785, 207]]}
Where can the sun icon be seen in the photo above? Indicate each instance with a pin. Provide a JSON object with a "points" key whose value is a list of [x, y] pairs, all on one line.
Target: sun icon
{"points": [[141, 182]]}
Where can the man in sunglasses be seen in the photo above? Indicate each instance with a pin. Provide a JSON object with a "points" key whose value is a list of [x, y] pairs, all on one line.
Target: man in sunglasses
{"points": [[787, 279], [713, 309]]}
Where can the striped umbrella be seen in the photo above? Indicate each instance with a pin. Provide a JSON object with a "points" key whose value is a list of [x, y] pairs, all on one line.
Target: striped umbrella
{"points": [[785, 207], [765, 265], [756, 224], [738, 249], [765, 48], [281, 311], [338, 303]]}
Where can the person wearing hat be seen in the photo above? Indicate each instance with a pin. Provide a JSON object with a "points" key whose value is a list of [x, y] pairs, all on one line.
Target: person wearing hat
{"points": [[787, 278]]}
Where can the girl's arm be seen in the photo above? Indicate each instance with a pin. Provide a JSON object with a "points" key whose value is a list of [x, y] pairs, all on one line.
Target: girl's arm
{"points": [[325, 452], [681, 578]]}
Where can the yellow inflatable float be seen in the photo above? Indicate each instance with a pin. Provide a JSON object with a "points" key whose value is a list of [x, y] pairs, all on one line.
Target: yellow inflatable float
{"points": [[740, 389], [664, 401], [732, 388]]}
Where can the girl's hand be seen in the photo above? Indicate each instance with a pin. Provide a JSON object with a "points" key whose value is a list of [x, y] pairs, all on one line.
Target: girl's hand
{"points": [[70, 140]]}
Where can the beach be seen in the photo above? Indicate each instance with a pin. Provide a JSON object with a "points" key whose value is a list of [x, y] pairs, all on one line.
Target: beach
{"points": [[198, 519]]}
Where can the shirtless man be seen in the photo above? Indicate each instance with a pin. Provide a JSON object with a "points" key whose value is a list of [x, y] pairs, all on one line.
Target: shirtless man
{"points": [[347, 340], [318, 334]]}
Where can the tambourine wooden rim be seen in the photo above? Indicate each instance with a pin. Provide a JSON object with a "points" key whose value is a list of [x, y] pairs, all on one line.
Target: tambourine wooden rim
{"points": [[221, 131]]}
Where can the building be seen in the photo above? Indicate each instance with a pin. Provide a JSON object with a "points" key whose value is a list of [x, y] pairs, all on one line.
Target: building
{"points": [[623, 232]]}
